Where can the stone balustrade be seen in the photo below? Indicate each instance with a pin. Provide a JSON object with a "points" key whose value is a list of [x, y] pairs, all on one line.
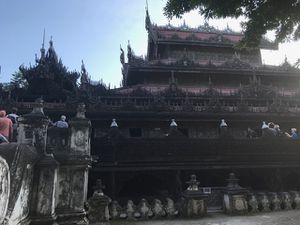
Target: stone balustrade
{"points": [[168, 208], [192, 203]]}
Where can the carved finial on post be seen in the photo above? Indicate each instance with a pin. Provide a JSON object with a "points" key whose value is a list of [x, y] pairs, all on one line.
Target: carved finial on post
{"points": [[235, 197], [98, 187], [98, 206], [233, 182], [193, 183], [195, 201], [81, 111], [38, 107]]}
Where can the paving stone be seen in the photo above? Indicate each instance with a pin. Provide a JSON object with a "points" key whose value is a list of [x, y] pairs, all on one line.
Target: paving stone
{"points": [[291, 217]]}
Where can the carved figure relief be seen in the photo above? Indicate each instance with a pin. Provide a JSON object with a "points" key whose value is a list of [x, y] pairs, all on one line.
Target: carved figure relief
{"points": [[79, 138], [4, 188]]}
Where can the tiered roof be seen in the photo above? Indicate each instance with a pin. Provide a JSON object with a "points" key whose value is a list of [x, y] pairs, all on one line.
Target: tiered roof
{"points": [[202, 35]]}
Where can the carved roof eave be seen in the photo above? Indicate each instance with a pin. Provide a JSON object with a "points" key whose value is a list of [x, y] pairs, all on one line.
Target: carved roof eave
{"points": [[193, 42], [264, 45], [276, 71], [154, 30], [152, 33], [99, 115]]}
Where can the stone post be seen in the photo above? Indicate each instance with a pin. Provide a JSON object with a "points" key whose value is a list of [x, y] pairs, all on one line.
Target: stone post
{"points": [[72, 181], [33, 131], [98, 206], [195, 201], [32, 128], [295, 196], [235, 197]]}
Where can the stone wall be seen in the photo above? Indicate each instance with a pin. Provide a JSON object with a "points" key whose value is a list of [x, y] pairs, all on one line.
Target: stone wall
{"points": [[16, 174], [44, 177]]}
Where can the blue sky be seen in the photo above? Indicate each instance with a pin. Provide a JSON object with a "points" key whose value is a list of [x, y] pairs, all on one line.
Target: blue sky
{"points": [[91, 30]]}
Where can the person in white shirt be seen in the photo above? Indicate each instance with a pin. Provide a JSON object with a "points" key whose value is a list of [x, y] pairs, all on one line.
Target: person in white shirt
{"points": [[62, 122]]}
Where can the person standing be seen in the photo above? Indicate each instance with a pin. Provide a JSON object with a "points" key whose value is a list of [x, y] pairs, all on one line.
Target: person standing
{"points": [[62, 122], [13, 117], [6, 126], [293, 135]]}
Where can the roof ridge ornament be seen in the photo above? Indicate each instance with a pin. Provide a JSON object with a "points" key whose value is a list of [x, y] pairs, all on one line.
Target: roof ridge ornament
{"points": [[173, 123], [184, 25], [223, 123], [129, 52], [114, 124], [122, 57], [51, 54]]}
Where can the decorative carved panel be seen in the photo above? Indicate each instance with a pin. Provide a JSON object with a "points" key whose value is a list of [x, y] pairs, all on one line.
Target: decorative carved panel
{"points": [[4, 188]]}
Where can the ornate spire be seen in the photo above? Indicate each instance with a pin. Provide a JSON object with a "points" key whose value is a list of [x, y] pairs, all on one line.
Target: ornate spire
{"points": [[84, 75], [51, 54], [147, 19], [129, 52], [83, 70], [184, 25], [43, 47], [122, 57]]}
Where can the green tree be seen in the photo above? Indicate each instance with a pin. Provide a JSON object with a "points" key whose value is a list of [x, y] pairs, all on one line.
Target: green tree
{"points": [[260, 16], [18, 80]]}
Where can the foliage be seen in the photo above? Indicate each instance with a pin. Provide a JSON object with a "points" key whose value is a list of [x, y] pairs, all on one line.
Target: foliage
{"points": [[18, 80], [261, 16], [50, 77]]}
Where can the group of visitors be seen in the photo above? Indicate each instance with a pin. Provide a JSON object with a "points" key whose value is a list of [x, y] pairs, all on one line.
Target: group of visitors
{"points": [[268, 130], [272, 130], [9, 125]]}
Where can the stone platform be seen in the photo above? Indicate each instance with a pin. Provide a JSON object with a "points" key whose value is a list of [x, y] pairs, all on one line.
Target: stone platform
{"points": [[274, 218]]}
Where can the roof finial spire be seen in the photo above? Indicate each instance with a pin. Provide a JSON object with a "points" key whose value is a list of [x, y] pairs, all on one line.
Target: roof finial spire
{"points": [[84, 75], [146, 5], [122, 57], [43, 46], [129, 52], [51, 41], [147, 20]]}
